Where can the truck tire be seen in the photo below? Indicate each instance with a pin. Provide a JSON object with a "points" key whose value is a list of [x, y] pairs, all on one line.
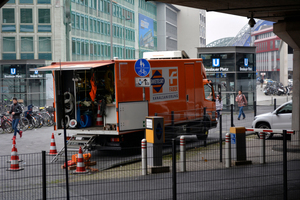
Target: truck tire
{"points": [[203, 136], [264, 126]]}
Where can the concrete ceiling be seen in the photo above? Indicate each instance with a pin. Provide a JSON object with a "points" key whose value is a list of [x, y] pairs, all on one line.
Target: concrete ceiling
{"points": [[2, 2], [271, 10]]}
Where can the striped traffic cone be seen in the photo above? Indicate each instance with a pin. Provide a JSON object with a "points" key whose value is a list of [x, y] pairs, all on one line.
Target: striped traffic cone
{"points": [[80, 168], [14, 144], [14, 160], [53, 150]]}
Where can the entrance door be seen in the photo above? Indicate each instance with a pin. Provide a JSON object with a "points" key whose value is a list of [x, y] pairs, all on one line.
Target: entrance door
{"points": [[190, 90]]}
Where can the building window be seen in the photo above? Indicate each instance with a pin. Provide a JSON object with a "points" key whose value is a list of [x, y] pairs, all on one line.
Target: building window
{"points": [[11, 1], [271, 44], [86, 23], [44, 1], [8, 28], [44, 16], [8, 15], [26, 44], [77, 21], [9, 44], [45, 48], [26, 15], [82, 22], [26, 1], [27, 51]]}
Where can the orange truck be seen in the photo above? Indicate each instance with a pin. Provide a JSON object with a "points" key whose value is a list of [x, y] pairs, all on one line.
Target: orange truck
{"points": [[109, 100]]}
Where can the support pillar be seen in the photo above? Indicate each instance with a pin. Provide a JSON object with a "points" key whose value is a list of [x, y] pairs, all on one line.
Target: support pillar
{"points": [[289, 30]]}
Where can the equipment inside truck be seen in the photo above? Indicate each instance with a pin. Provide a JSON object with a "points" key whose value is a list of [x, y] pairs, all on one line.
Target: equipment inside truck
{"points": [[89, 95]]}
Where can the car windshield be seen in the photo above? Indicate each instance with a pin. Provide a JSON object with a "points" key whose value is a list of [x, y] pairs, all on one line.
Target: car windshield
{"points": [[285, 109]]}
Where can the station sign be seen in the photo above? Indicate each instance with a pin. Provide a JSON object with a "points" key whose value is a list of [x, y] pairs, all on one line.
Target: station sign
{"points": [[36, 74]]}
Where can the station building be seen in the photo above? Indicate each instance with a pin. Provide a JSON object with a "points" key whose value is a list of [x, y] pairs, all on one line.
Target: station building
{"points": [[233, 68]]}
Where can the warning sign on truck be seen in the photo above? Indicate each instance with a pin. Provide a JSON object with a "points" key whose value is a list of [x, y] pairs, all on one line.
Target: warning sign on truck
{"points": [[164, 83]]}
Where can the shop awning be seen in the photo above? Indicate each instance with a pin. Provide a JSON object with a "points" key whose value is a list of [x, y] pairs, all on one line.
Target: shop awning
{"points": [[73, 66]]}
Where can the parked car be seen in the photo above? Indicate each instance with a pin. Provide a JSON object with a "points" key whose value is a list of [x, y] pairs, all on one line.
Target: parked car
{"points": [[281, 118], [268, 80]]}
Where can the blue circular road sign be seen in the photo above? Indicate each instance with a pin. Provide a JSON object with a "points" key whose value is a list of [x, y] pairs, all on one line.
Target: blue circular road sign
{"points": [[142, 67]]}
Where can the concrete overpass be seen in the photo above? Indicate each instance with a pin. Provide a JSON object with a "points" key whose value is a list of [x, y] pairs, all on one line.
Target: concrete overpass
{"points": [[286, 14]]}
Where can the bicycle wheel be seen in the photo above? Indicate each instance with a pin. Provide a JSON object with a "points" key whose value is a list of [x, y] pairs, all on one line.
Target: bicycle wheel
{"points": [[24, 123], [7, 127], [32, 123], [37, 120]]}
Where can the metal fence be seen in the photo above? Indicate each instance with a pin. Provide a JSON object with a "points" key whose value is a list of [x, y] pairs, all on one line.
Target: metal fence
{"points": [[118, 175]]}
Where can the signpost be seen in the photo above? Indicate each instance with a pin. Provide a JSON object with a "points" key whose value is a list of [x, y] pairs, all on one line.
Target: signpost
{"points": [[142, 68]]}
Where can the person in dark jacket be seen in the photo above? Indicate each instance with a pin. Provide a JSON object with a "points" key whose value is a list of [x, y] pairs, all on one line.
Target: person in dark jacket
{"points": [[15, 110]]}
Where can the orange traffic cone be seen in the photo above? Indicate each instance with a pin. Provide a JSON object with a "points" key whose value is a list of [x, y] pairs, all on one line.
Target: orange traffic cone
{"points": [[14, 144], [99, 117], [14, 160], [53, 150], [80, 168]]}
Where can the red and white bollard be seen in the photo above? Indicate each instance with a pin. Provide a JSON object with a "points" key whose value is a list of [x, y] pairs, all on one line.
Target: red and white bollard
{"points": [[144, 157], [182, 154], [227, 150], [262, 136]]}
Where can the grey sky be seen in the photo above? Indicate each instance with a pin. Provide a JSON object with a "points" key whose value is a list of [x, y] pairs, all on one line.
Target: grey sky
{"points": [[219, 25]]}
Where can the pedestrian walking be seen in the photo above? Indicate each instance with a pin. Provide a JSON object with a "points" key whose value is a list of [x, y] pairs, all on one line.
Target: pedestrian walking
{"points": [[242, 101], [261, 82], [15, 110], [219, 106]]}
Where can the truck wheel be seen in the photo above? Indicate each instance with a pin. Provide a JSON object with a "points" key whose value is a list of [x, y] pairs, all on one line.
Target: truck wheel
{"points": [[202, 136], [264, 126]]}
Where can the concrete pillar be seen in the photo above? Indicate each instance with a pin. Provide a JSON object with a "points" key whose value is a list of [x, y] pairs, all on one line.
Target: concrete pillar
{"points": [[289, 31], [296, 97]]}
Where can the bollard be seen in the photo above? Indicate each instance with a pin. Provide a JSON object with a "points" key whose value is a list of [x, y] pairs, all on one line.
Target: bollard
{"points": [[182, 154], [220, 138], [174, 180], [274, 104], [227, 151], [272, 100], [231, 114], [254, 108], [144, 157], [262, 148]]}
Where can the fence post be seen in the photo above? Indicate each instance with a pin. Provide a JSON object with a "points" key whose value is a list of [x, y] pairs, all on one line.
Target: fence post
{"points": [[254, 107], [274, 104], [182, 154], [285, 188], [174, 183], [262, 148], [231, 114], [144, 157], [172, 118], [44, 175], [221, 141], [204, 114], [227, 150]]}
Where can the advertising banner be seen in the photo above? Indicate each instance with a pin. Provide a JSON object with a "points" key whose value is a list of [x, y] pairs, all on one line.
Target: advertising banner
{"points": [[146, 32]]}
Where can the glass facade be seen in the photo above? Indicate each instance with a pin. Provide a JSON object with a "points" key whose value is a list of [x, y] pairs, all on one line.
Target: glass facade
{"points": [[232, 69], [17, 81]]}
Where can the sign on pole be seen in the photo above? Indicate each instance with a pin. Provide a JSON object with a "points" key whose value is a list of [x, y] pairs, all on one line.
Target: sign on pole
{"points": [[142, 82], [142, 67]]}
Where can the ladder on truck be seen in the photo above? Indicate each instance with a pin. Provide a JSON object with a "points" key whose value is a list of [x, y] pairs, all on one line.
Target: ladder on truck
{"points": [[84, 141]]}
